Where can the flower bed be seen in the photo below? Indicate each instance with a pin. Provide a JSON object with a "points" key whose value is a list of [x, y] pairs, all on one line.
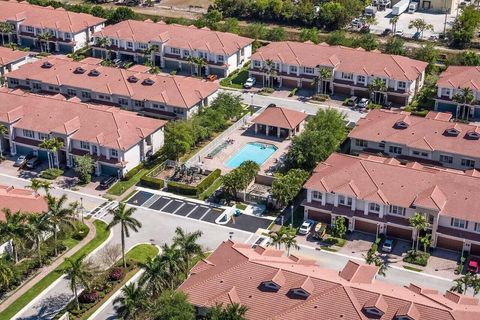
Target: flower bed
{"points": [[419, 258]]}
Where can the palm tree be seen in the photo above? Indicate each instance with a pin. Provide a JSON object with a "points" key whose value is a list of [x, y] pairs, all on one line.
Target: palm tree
{"points": [[3, 131], [465, 98], [6, 273], [5, 28], [13, 228], [153, 276], [232, 311], [103, 42], [276, 238], [186, 243], [35, 230], [131, 303], [78, 274], [123, 216], [377, 86], [325, 74], [44, 38], [200, 62], [418, 222], [52, 146], [393, 22], [426, 241], [270, 72], [59, 215], [37, 184], [170, 261], [149, 54], [191, 61], [289, 240]]}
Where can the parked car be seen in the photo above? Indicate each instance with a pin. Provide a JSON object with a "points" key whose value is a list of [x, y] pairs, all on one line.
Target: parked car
{"points": [[352, 101], [386, 32], [433, 38], [107, 182], [363, 103], [20, 161], [472, 266], [319, 231], [306, 227], [387, 105], [262, 241], [249, 83], [33, 163], [416, 35], [399, 33], [387, 245]]}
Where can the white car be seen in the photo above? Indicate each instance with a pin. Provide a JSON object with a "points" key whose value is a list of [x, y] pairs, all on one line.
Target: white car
{"points": [[399, 33], [249, 83], [306, 226], [363, 103]]}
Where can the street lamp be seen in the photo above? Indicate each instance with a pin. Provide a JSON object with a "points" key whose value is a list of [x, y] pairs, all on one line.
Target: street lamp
{"points": [[251, 99], [81, 207], [291, 210]]}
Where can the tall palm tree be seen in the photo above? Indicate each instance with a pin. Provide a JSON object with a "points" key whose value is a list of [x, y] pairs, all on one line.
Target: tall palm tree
{"points": [[377, 86], [232, 311], [52, 146], [325, 77], [5, 28], [103, 42], [418, 222], [123, 216], [44, 38], [276, 238], [289, 240], [78, 274], [6, 273], [3, 131], [186, 243], [35, 229], [171, 264], [13, 228], [191, 61], [153, 277], [269, 70], [131, 303], [149, 54], [465, 98], [59, 214], [393, 22], [37, 184], [200, 62]]}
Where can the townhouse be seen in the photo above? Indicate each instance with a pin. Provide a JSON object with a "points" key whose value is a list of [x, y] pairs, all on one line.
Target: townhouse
{"points": [[116, 139], [11, 59], [162, 96], [173, 46], [433, 140], [339, 70], [378, 195], [274, 286], [48, 29], [451, 86], [23, 200]]}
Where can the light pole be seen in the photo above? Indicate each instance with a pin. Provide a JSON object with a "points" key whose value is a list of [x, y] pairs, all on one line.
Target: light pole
{"points": [[291, 211], [251, 99], [81, 207]]}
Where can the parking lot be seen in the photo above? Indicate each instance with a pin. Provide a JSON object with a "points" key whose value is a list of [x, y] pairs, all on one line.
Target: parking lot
{"points": [[194, 210]]}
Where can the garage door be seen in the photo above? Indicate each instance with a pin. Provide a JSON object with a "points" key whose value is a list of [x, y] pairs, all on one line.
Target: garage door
{"points": [[289, 83], [397, 99], [475, 249], [449, 244], [365, 226], [320, 216], [361, 93], [400, 233], [342, 90]]}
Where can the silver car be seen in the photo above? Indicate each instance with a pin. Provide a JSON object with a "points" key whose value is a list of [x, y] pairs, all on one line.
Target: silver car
{"points": [[249, 83]]}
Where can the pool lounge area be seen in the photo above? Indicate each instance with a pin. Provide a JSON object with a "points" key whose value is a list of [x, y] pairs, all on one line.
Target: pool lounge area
{"points": [[255, 151]]}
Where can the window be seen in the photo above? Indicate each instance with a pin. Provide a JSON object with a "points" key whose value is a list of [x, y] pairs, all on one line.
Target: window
{"points": [[86, 94], [138, 103], [103, 97], [94, 149], [374, 207], [142, 45], [114, 153], [402, 85], [42, 136], [446, 159], [459, 223], [186, 53], [396, 150], [123, 101], [178, 111], [129, 44], [347, 76], [38, 86], [158, 106], [174, 50], [361, 79], [445, 92], [28, 133], [317, 195], [468, 163], [420, 154], [67, 36], [397, 210], [361, 143], [14, 81], [293, 69], [71, 92], [344, 201], [220, 58], [477, 227], [84, 145], [30, 29], [309, 70], [257, 64], [202, 55]]}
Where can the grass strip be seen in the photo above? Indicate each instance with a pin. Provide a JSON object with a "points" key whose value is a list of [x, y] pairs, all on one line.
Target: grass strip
{"points": [[123, 185]]}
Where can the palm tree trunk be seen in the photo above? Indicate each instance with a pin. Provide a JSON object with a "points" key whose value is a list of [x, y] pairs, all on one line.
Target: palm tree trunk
{"points": [[123, 246], [55, 239], [39, 242], [15, 252], [75, 293]]}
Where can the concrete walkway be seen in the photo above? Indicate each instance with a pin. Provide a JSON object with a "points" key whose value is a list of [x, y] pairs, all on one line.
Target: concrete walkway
{"points": [[46, 270]]}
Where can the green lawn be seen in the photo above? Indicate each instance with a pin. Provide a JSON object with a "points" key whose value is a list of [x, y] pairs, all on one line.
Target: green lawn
{"points": [[208, 192], [14, 308], [121, 186], [140, 253], [235, 80]]}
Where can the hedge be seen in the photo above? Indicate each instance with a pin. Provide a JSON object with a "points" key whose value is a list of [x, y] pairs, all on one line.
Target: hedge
{"points": [[185, 189], [133, 172], [151, 182]]}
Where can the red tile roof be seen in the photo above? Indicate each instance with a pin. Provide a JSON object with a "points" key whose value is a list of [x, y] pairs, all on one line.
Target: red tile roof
{"points": [[453, 193], [427, 133], [176, 91], [8, 56], [460, 77], [107, 126], [357, 61], [23, 200], [280, 117], [237, 273], [176, 36], [47, 17]]}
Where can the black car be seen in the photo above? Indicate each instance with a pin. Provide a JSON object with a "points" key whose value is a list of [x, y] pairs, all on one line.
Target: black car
{"points": [[33, 163], [107, 182]]}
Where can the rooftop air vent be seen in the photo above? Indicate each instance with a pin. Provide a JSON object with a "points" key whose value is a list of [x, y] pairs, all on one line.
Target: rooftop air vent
{"points": [[401, 125], [148, 82], [452, 132], [132, 79], [79, 70], [299, 293], [47, 65], [472, 135], [271, 286], [94, 73]]}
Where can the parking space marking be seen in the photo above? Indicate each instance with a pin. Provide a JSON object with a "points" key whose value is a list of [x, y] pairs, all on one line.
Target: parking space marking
{"points": [[207, 212], [151, 201], [193, 209], [160, 203], [172, 206], [183, 203]]}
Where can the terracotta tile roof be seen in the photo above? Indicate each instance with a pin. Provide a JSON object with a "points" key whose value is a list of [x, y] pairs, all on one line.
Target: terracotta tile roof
{"points": [[429, 133], [176, 91], [108, 126], [177, 36], [237, 273], [280, 117], [23, 200], [8, 56], [47, 17], [460, 77], [453, 193], [357, 61]]}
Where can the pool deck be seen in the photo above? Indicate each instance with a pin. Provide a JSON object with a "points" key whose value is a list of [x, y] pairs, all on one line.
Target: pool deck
{"points": [[240, 138]]}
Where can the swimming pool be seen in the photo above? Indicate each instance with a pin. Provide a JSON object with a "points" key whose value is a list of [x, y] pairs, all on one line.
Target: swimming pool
{"points": [[255, 151]]}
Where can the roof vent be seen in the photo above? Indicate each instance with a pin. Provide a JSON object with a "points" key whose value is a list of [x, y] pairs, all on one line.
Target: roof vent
{"points": [[299, 293], [132, 79], [400, 125], [47, 65], [472, 135], [452, 132], [271, 286], [148, 82], [79, 70], [94, 73]]}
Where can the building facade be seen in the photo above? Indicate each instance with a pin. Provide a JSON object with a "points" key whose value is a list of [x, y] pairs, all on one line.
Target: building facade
{"points": [[48, 29], [339, 70], [378, 195], [117, 140], [174, 47], [10, 60]]}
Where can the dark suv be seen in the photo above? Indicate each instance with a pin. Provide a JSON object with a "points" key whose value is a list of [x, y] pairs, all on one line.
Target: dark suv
{"points": [[33, 163], [107, 182]]}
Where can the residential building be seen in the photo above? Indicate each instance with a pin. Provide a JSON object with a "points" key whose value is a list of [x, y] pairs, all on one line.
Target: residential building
{"points": [[351, 71], [163, 96], [439, 6], [11, 59], [173, 46], [274, 286], [23, 200], [68, 31], [279, 122], [378, 195], [117, 140], [433, 139], [449, 87]]}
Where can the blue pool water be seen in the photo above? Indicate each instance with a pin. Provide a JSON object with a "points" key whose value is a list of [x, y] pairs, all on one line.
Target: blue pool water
{"points": [[255, 151]]}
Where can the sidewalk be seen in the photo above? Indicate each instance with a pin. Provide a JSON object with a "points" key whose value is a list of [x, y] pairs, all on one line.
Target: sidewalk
{"points": [[46, 270]]}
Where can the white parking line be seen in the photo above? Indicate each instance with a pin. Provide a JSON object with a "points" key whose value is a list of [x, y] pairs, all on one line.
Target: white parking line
{"points": [[206, 212], [151, 200], [195, 207], [183, 203], [161, 209]]}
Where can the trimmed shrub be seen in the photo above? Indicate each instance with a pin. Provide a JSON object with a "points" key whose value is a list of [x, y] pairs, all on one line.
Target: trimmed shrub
{"points": [[116, 274], [293, 92], [151, 182], [419, 257], [133, 172], [51, 174], [185, 189], [88, 297]]}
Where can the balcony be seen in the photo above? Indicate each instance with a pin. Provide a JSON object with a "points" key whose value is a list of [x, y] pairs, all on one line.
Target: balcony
{"points": [[185, 59], [101, 158], [52, 39], [27, 141], [116, 48], [460, 234]]}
